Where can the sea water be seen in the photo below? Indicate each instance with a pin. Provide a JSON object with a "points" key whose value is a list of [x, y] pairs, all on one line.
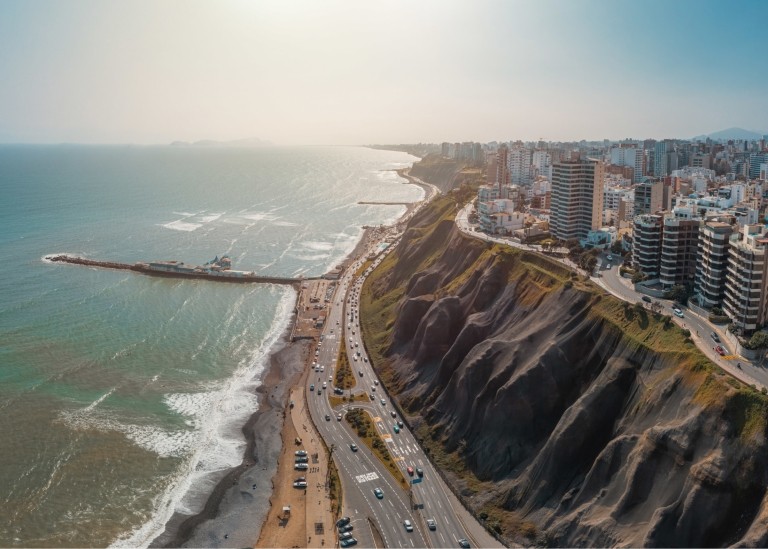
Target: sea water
{"points": [[121, 395]]}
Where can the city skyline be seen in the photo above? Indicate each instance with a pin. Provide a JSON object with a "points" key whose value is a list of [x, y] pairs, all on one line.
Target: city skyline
{"points": [[341, 73]]}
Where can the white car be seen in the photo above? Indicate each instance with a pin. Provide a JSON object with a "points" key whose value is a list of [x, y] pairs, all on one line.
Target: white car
{"points": [[408, 525], [678, 312]]}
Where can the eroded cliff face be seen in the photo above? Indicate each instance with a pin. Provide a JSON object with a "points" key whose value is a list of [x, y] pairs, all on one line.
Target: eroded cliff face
{"points": [[556, 405]]}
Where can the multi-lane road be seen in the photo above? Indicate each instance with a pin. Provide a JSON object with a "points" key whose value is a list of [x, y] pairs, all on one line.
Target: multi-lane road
{"points": [[375, 520]]}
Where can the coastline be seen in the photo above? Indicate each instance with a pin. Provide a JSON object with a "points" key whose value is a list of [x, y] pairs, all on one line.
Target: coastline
{"points": [[236, 511]]}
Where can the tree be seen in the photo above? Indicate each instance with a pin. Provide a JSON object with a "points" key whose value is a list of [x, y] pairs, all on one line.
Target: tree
{"points": [[678, 293], [639, 276], [616, 247], [759, 340]]}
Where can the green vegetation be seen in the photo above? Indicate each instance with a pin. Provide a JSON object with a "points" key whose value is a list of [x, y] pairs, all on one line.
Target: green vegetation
{"points": [[759, 340], [334, 488], [363, 425], [344, 377]]}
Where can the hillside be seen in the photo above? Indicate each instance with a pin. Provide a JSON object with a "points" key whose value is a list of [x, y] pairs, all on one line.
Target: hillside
{"points": [[563, 416]]}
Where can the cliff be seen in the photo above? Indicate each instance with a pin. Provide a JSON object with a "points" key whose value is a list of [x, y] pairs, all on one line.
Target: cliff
{"points": [[444, 173], [563, 416]]}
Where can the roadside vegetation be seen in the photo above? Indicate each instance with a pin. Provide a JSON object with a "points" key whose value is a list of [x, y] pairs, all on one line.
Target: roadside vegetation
{"points": [[361, 421], [344, 378]]}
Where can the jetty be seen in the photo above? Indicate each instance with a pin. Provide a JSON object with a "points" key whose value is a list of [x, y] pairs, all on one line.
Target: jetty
{"points": [[174, 269]]}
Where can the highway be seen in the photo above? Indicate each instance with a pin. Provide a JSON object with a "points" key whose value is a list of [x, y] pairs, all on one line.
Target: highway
{"points": [[610, 280], [361, 471]]}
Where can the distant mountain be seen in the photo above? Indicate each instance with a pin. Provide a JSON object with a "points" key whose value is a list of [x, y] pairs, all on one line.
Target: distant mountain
{"points": [[732, 133], [245, 143]]}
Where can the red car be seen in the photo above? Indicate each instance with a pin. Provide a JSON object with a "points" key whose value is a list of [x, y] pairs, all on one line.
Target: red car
{"points": [[410, 471], [719, 350]]}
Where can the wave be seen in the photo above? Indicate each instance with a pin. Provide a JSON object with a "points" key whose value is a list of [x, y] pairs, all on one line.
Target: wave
{"points": [[217, 441], [181, 225], [210, 217], [318, 246]]}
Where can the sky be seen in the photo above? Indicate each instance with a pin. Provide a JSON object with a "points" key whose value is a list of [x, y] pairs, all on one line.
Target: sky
{"points": [[330, 72]]}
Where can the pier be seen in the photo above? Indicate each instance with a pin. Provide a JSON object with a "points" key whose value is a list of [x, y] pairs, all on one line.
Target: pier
{"points": [[144, 268]]}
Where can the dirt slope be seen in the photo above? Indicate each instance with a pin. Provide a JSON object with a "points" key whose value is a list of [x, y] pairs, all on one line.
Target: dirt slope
{"points": [[563, 415]]}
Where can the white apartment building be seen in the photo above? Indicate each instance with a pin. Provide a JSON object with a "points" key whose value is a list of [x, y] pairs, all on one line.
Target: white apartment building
{"points": [[520, 165], [628, 156], [541, 164], [745, 288]]}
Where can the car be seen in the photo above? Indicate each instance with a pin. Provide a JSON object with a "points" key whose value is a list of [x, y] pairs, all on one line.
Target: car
{"points": [[343, 521], [609, 257], [400, 424], [420, 471], [393, 413], [325, 385], [345, 535], [301, 459], [373, 388], [300, 453], [353, 447], [608, 266], [360, 373], [677, 312], [378, 493], [431, 524], [348, 542], [338, 417], [719, 350], [410, 470], [327, 417], [397, 429], [330, 379], [365, 359], [372, 397], [322, 368], [301, 466], [646, 298], [355, 357], [319, 391], [464, 544], [312, 387], [408, 525], [317, 368], [300, 484], [715, 337], [338, 390], [383, 402], [346, 528], [375, 381]]}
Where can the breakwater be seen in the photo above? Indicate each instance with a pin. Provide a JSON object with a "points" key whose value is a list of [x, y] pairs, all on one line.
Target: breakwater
{"points": [[145, 268]]}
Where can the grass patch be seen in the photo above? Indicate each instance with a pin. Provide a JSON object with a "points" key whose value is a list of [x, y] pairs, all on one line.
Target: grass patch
{"points": [[334, 488], [335, 400], [344, 377], [363, 424]]}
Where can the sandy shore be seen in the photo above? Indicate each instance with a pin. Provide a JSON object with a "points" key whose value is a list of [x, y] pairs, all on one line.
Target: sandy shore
{"points": [[239, 503]]}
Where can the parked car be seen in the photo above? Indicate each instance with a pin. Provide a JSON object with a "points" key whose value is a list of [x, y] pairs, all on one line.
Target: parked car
{"points": [[343, 521], [646, 298], [346, 528], [348, 542]]}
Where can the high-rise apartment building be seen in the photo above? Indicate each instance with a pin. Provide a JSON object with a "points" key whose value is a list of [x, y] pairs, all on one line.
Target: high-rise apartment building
{"points": [[502, 166], [631, 157], [745, 288], [755, 160], [577, 197], [649, 197], [520, 165], [712, 263], [647, 232], [679, 251]]}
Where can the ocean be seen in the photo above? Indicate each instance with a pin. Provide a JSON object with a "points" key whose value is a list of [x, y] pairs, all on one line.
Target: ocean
{"points": [[123, 395]]}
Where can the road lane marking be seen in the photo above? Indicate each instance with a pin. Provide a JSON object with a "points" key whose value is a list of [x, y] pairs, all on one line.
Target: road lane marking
{"points": [[367, 477]]}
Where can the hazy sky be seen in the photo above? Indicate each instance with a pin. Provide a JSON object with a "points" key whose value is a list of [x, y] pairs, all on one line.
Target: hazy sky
{"points": [[379, 71]]}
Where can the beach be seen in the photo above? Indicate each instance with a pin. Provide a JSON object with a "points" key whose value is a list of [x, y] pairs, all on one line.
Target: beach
{"points": [[244, 508]]}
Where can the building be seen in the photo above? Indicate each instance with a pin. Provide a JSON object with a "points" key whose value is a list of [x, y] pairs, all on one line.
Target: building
{"points": [[712, 263], [577, 197], [649, 197], [755, 160], [679, 251], [520, 165], [499, 217], [445, 149], [502, 167], [647, 232], [745, 289], [629, 156], [660, 164]]}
